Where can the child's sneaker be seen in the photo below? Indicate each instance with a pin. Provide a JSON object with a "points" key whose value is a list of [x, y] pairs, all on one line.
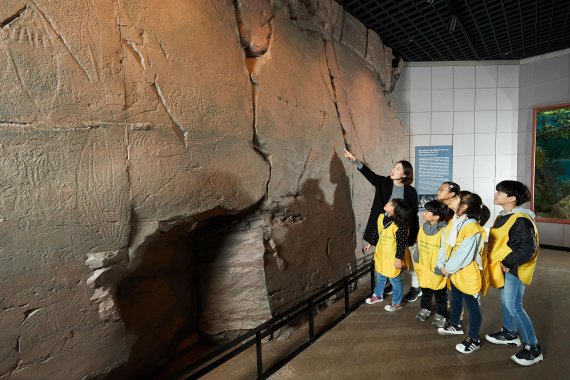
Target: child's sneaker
{"points": [[450, 329], [438, 320], [413, 294], [423, 315], [529, 355], [503, 337], [374, 299], [392, 307], [468, 346]]}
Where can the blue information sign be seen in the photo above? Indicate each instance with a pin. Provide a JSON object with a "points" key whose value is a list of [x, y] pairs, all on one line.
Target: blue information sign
{"points": [[433, 166]]}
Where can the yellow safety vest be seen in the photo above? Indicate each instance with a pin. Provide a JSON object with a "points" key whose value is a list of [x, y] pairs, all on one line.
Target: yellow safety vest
{"points": [[428, 247], [498, 250], [385, 253], [470, 279]]}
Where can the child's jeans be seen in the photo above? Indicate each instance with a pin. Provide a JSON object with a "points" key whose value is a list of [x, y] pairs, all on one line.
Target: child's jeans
{"points": [[397, 287], [515, 317], [473, 308]]}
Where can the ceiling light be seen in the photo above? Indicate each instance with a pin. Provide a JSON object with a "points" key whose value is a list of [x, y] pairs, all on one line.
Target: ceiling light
{"points": [[452, 23]]}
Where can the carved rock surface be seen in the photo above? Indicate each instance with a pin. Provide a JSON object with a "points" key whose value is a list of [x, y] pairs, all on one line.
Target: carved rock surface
{"points": [[354, 35], [233, 280], [56, 208], [124, 124], [372, 131], [302, 133]]}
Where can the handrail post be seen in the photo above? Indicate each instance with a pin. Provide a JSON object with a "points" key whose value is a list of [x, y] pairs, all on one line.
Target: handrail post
{"points": [[346, 299], [311, 323], [372, 277], [222, 354], [259, 356]]}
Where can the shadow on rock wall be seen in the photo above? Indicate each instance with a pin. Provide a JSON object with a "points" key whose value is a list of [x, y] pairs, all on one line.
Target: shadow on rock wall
{"points": [[158, 301], [315, 241]]}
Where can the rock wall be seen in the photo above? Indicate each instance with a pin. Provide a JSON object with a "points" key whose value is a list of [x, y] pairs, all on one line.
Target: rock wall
{"points": [[126, 125]]}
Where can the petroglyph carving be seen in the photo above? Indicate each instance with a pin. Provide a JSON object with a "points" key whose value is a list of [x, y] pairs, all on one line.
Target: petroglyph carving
{"points": [[121, 121]]}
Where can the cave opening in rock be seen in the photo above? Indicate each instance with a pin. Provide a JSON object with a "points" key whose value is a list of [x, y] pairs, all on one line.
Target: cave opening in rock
{"points": [[191, 287]]}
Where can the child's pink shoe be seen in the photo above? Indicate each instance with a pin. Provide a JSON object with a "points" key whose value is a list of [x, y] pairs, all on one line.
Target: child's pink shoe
{"points": [[392, 307], [374, 299]]}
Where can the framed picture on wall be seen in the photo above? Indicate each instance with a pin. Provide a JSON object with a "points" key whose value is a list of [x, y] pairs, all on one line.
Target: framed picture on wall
{"points": [[550, 199]]}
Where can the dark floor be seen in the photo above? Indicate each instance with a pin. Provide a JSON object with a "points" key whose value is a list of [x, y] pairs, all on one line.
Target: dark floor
{"points": [[374, 344]]}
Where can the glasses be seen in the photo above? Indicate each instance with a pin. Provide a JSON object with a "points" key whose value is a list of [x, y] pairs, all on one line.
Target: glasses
{"points": [[440, 189]]}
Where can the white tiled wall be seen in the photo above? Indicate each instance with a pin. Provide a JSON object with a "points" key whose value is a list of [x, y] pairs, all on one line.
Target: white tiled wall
{"points": [[472, 107], [485, 110]]}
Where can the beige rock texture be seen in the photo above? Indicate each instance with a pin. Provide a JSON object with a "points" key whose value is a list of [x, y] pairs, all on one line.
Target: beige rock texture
{"points": [[175, 169]]}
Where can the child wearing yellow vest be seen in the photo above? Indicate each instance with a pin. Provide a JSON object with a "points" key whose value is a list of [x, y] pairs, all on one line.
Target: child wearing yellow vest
{"points": [[513, 251], [391, 251], [461, 260], [447, 191], [429, 242]]}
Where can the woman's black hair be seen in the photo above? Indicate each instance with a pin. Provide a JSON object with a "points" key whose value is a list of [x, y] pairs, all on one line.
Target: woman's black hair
{"points": [[408, 172], [475, 207], [514, 189], [453, 187], [402, 212], [437, 208]]}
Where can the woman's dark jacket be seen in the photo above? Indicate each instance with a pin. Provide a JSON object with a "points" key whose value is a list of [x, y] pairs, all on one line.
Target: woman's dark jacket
{"points": [[383, 186]]}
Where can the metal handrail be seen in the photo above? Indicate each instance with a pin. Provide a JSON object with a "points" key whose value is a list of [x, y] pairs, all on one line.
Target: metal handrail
{"points": [[255, 336]]}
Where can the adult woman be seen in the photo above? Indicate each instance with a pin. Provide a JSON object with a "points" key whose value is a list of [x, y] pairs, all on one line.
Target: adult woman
{"points": [[396, 185]]}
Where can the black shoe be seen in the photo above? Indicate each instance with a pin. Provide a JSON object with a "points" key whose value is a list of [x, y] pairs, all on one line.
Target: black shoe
{"points": [[413, 294], [468, 346], [529, 355], [450, 329], [503, 337], [388, 290]]}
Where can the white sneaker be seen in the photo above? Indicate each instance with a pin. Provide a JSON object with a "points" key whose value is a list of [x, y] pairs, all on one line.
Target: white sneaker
{"points": [[392, 307], [450, 329], [468, 346], [374, 299]]}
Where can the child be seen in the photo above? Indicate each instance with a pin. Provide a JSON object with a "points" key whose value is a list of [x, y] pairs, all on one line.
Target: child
{"points": [[397, 185], [513, 251], [429, 241], [460, 258], [447, 191], [391, 251]]}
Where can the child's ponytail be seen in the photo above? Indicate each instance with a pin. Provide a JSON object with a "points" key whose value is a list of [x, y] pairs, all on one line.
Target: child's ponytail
{"points": [[475, 207], [485, 215]]}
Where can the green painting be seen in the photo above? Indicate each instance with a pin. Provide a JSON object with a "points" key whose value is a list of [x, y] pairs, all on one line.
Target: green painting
{"points": [[551, 177]]}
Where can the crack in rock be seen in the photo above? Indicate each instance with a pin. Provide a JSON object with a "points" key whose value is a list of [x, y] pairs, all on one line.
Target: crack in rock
{"points": [[15, 16], [256, 57]]}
